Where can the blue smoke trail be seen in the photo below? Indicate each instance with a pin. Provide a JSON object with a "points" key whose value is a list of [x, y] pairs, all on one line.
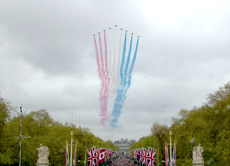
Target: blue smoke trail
{"points": [[123, 59], [127, 62], [132, 64], [123, 80], [125, 84], [128, 81], [119, 103]]}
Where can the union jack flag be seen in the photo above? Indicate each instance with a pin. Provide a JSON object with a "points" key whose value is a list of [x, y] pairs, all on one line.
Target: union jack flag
{"points": [[148, 157], [140, 155], [135, 154], [144, 153], [92, 157], [151, 157]]}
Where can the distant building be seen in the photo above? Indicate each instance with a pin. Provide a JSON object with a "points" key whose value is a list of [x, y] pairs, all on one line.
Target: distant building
{"points": [[123, 145]]}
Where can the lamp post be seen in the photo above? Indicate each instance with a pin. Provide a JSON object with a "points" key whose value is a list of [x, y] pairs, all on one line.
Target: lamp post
{"points": [[170, 133], [20, 138]]}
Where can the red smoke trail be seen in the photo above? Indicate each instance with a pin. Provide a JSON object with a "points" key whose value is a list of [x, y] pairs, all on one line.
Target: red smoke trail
{"points": [[106, 87], [106, 61], [102, 61], [102, 64], [102, 92], [97, 57], [99, 71]]}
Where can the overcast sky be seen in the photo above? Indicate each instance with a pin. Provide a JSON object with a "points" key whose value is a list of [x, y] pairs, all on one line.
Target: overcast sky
{"points": [[47, 58]]}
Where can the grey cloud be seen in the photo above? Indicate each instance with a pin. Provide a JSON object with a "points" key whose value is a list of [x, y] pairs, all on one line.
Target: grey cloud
{"points": [[48, 60]]}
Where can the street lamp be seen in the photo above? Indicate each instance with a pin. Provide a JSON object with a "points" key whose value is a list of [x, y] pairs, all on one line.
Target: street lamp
{"points": [[20, 137]]}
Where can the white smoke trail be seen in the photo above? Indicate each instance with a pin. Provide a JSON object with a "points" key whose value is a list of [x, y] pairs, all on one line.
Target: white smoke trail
{"points": [[119, 60]]}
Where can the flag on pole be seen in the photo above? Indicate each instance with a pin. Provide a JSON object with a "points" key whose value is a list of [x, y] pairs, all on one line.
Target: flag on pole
{"points": [[110, 154], [98, 151], [107, 151], [135, 154], [148, 157], [102, 155], [131, 154], [92, 156], [75, 155], [66, 155], [144, 153], [174, 155], [166, 155], [140, 155], [151, 157]]}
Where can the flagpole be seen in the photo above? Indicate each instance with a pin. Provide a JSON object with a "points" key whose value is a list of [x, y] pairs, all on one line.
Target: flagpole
{"points": [[76, 160], [65, 152], [158, 151], [85, 153], [170, 133], [20, 137]]}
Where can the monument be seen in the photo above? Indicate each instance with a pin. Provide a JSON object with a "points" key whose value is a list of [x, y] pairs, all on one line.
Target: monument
{"points": [[197, 156], [43, 154]]}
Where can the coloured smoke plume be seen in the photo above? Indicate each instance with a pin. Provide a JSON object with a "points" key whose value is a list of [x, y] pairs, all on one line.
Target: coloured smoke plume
{"points": [[125, 81], [115, 68], [104, 76]]}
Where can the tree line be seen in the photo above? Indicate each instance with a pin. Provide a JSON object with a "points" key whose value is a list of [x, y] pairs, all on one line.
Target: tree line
{"points": [[207, 125], [41, 129]]}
